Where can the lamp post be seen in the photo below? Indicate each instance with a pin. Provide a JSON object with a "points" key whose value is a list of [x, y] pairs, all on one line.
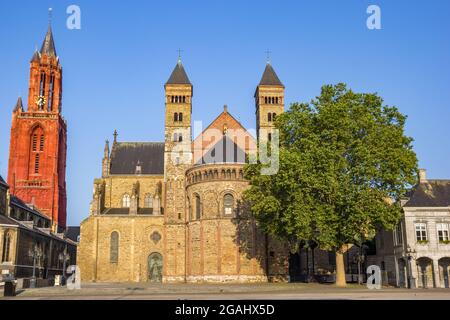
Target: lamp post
{"points": [[411, 255], [64, 257], [35, 254]]}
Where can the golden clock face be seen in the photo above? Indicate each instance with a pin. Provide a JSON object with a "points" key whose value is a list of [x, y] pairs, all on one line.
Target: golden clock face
{"points": [[40, 101]]}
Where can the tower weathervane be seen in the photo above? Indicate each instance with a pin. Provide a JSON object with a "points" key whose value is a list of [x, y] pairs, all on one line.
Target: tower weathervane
{"points": [[268, 55], [115, 136], [179, 54], [50, 16]]}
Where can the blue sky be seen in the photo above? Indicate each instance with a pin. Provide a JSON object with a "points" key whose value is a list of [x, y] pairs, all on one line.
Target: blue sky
{"points": [[116, 65]]}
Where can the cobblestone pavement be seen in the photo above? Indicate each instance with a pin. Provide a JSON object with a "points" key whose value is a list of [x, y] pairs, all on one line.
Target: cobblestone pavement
{"points": [[133, 291]]}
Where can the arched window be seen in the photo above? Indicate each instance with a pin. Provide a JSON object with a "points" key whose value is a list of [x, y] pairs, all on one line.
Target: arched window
{"points": [[265, 100], [175, 117], [50, 92], [180, 117], [6, 247], [37, 147], [176, 99], [172, 99], [184, 99], [269, 137], [269, 117], [148, 201], [228, 204], [180, 137], [41, 143], [276, 100], [175, 137], [37, 162], [114, 248], [34, 142], [126, 201], [198, 207]]}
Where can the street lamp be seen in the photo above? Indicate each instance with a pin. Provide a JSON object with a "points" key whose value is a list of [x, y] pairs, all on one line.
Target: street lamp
{"points": [[36, 254], [64, 257], [359, 258], [411, 255]]}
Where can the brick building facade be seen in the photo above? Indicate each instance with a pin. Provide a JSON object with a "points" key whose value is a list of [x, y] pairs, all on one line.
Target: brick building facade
{"points": [[172, 211], [38, 141]]}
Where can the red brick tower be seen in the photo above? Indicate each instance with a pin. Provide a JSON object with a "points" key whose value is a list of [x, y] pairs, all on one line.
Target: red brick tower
{"points": [[37, 154]]}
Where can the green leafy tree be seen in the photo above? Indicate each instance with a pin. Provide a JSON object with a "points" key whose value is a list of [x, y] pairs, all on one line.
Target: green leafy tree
{"points": [[345, 161]]}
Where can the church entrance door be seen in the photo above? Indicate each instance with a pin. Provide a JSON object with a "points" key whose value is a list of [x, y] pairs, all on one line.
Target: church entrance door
{"points": [[155, 267]]}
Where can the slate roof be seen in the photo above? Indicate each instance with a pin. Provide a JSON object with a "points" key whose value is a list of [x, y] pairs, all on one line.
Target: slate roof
{"points": [[36, 56], [48, 46], [270, 77], [2, 182], [19, 104], [178, 75], [7, 220], [430, 193], [224, 151], [125, 156], [19, 203], [73, 233]]}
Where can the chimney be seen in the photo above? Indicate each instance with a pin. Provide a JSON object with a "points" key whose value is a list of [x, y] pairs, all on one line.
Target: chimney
{"points": [[422, 175]]}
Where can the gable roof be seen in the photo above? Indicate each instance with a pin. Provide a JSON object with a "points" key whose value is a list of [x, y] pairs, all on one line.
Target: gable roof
{"points": [[210, 136], [125, 156], [178, 75], [430, 193], [224, 151], [270, 77]]}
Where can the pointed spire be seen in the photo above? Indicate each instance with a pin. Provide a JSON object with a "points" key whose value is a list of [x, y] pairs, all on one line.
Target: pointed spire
{"points": [[36, 56], [19, 105], [270, 77], [115, 136], [106, 151], [178, 75], [48, 46]]}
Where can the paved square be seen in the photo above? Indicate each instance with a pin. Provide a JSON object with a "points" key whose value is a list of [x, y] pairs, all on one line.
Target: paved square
{"points": [[300, 291]]}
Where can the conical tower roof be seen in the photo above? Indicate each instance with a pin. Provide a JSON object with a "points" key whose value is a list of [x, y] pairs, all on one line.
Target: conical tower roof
{"points": [[270, 77], [48, 46], [178, 75], [19, 105]]}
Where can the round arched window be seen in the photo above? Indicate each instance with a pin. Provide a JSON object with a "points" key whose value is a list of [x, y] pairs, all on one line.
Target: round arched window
{"points": [[228, 204]]}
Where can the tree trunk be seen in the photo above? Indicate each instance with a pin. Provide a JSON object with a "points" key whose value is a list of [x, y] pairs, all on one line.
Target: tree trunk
{"points": [[340, 269]]}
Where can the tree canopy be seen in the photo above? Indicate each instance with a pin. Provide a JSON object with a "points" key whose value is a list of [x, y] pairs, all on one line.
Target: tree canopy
{"points": [[344, 161]]}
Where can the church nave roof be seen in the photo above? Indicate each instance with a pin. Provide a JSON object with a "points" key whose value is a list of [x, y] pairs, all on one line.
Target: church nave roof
{"points": [[126, 156]]}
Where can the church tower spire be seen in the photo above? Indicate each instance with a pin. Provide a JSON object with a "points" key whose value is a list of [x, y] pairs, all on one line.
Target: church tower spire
{"points": [[269, 101], [177, 159], [37, 156], [45, 87]]}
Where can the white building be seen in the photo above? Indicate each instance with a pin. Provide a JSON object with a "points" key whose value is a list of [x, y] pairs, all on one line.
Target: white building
{"points": [[418, 250]]}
